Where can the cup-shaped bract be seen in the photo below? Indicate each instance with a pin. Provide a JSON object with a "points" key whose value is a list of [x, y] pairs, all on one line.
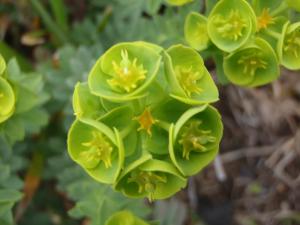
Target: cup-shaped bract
{"points": [[2, 65], [194, 139], [151, 178], [289, 46], [253, 65], [231, 23], [295, 4], [124, 218], [195, 31], [96, 148], [189, 80], [178, 2], [7, 100], [124, 71], [86, 105]]}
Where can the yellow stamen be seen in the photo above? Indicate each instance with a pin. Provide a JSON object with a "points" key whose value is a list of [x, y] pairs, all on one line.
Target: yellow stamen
{"points": [[99, 150], [194, 139], [188, 80], [146, 181], [264, 20], [127, 74]]}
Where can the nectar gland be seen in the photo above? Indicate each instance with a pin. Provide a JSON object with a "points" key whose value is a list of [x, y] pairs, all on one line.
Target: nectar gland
{"points": [[146, 121]]}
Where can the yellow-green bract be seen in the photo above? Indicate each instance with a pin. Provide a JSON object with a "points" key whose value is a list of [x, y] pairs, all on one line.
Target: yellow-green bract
{"points": [[253, 65], [195, 31], [124, 218], [123, 132], [289, 46], [7, 100], [231, 23]]}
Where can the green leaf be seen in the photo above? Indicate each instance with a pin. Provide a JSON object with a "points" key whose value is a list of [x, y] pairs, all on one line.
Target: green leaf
{"points": [[7, 100]]}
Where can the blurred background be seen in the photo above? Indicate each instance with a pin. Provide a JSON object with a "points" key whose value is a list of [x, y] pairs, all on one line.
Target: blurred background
{"points": [[254, 180]]}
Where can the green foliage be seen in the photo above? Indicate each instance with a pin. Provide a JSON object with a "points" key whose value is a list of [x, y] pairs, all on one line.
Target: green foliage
{"points": [[123, 132], [22, 95]]}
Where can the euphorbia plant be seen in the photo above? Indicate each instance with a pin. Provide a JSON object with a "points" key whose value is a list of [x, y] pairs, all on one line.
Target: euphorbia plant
{"points": [[123, 134], [124, 218]]}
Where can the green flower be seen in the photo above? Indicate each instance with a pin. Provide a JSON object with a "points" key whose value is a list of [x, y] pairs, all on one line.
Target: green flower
{"points": [[178, 2], [194, 139], [97, 149], [289, 46], [231, 23], [189, 80], [124, 71], [253, 65], [124, 218], [195, 31], [7, 100], [150, 178]]}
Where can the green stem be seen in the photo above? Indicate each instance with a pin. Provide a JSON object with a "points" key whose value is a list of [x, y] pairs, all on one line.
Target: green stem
{"points": [[164, 125], [283, 6], [48, 21], [273, 34]]}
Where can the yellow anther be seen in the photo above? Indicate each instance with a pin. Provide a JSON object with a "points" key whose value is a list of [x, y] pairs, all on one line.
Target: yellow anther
{"points": [[251, 62], [127, 74]]}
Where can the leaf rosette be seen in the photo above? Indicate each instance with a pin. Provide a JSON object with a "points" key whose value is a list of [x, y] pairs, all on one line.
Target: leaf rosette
{"points": [[194, 139], [253, 65], [189, 80], [151, 178], [195, 31], [231, 23], [289, 46], [96, 148], [124, 218], [124, 71], [7, 100]]}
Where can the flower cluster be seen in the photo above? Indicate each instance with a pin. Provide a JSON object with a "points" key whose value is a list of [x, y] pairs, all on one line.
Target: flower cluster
{"points": [[254, 38], [143, 120], [21, 96]]}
